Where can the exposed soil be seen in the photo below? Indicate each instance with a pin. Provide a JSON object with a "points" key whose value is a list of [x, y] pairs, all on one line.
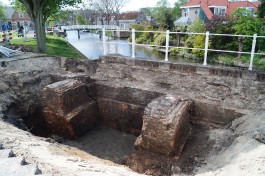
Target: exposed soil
{"points": [[21, 48], [106, 143], [236, 148], [199, 146]]}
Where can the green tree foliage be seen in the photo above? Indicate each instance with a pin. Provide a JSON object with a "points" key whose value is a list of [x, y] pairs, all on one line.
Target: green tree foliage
{"points": [[2, 12], [196, 27], [261, 9], [245, 23], [222, 26], [176, 10], [160, 39], [181, 2], [146, 11], [62, 16], [199, 42], [80, 19], [39, 11], [196, 41], [163, 14], [137, 27]]}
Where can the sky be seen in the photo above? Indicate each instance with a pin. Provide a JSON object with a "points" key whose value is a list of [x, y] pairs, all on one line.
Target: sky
{"points": [[5, 1], [137, 4], [132, 5]]}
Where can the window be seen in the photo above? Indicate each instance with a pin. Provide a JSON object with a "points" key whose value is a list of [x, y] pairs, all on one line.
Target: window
{"points": [[248, 11], [219, 11], [21, 15], [186, 12]]}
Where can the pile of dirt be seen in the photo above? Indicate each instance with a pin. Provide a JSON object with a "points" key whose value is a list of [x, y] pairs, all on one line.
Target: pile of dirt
{"points": [[22, 48]]}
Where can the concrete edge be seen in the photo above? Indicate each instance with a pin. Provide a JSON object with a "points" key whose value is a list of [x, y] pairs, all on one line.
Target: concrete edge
{"points": [[190, 68]]}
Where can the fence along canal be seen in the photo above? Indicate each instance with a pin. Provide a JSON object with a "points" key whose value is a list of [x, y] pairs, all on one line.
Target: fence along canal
{"points": [[166, 47]]}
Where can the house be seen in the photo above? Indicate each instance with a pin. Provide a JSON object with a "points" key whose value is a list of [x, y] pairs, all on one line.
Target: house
{"points": [[124, 20], [208, 9], [17, 18]]}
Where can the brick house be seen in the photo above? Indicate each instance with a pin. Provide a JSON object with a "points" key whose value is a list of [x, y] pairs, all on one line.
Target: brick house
{"points": [[208, 9], [16, 18]]}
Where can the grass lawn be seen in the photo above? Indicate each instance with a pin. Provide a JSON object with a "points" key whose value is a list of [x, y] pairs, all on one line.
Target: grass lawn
{"points": [[56, 46]]}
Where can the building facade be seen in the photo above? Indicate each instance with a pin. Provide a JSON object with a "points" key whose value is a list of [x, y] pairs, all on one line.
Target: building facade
{"points": [[208, 9], [17, 18]]}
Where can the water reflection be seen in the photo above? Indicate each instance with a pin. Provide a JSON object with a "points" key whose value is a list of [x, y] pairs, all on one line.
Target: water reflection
{"points": [[91, 46]]}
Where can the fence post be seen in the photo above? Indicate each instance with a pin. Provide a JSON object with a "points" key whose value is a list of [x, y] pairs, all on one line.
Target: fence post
{"points": [[252, 52], [206, 48], [104, 41], [167, 45], [133, 43]]}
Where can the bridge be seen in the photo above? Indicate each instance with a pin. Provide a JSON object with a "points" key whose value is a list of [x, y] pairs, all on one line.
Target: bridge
{"points": [[86, 27]]}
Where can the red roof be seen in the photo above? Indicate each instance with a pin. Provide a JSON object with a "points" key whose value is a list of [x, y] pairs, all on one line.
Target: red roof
{"points": [[207, 11], [234, 5], [208, 2], [128, 15], [231, 6]]}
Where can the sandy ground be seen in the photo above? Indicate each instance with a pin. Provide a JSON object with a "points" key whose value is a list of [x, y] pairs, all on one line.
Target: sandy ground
{"points": [[246, 155], [237, 150], [106, 143], [55, 158]]}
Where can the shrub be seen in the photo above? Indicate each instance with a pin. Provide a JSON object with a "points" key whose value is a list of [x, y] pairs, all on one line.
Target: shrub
{"points": [[160, 40], [199, 42], [175, 51], [226, 59], [259, 63], [141, 40]]}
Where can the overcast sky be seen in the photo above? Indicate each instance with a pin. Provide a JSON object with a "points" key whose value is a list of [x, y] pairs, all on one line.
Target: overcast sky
{"points": [[137, 4], [132, 5]]}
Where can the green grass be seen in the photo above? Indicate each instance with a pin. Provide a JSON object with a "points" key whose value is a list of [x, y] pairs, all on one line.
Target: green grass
{"points": [[56, 46]]}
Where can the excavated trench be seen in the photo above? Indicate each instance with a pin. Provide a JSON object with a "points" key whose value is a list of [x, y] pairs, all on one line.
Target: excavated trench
{"points": [[117, 119], [120, 113]]}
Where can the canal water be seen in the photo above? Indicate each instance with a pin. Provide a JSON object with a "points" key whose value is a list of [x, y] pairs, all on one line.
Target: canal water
{"points": [[91, 46]]}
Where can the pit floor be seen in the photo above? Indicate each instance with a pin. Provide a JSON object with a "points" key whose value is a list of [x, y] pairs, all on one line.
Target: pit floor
{"points": [[106, 143], [118, 147]]}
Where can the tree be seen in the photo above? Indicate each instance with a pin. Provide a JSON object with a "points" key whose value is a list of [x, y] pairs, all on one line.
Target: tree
{"points": [[261, 9], [196, 41], [245, 23], [39, 12], [117, 6], [163, 14], [176, 11], [108, 8], [146, 11], [2, 12], [61, 17], [221, 26], [80, 19]]}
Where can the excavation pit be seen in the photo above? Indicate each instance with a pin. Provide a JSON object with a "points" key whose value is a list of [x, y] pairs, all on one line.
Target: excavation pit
{"points": [[120, 112], [121, 94]]}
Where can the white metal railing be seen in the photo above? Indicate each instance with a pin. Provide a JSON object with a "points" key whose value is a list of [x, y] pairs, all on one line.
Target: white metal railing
{"points": [[206, 49], [83, 27]]}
